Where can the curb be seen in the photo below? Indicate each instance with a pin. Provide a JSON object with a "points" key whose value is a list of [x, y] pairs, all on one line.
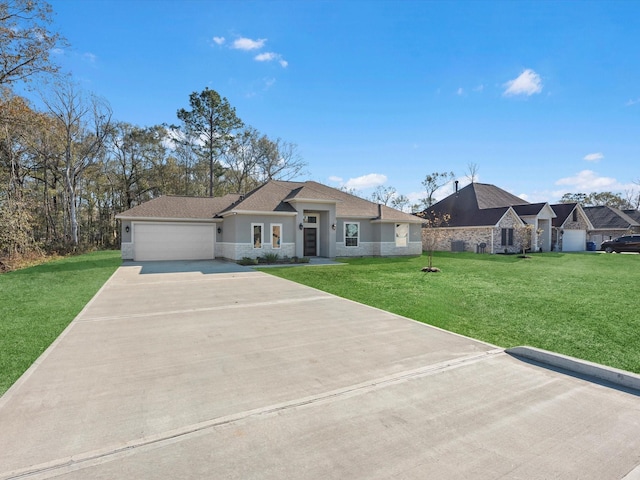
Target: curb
{"points": [[582, 367]]}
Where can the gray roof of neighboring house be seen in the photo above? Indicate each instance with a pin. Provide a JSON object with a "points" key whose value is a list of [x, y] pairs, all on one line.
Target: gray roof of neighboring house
{"points": [[563, 210], [634, 214], [609, 218], [479, 204], [273, 196], [529, 208]]}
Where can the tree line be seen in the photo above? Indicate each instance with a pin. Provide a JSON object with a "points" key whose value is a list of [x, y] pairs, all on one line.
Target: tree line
{"points": [[68, 167]]}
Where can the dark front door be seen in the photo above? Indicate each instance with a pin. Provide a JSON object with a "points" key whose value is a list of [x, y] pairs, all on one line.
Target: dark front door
{"points": [[310, 247]]}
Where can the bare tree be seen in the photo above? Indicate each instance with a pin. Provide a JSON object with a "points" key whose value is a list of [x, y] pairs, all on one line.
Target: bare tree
{"points": [[400, 202], [278, 160], [26, 40], [81, 125], [241, 161], [383, 195], [432, 183], [472, 172]]}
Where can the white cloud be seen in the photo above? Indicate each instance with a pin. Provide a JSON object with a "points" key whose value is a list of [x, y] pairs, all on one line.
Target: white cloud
{"points": [[90, 57], [244, 43], [479, 88], [528, 83], [460, 91], [366, 181], [271, 56], [588, 181], [632, 102], [218, 40], [265, 57], [593, 157], [57, 51], [335, 179]]}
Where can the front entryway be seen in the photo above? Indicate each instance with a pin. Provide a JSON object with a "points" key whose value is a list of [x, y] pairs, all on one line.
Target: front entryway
{"points": [[310, 242]]}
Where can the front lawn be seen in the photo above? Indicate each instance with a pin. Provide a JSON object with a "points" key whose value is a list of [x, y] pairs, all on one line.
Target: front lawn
{"points": [[37, 303], [583, 305]]}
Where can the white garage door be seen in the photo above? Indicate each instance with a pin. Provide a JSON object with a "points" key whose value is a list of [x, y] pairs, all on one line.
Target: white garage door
{"points": [[173, 241], [574, 241]]}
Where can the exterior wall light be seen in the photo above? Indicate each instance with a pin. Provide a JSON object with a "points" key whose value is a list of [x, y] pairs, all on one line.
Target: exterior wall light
{"points": [[333, 226], [301, 226], [219, 230], [126, 229]]}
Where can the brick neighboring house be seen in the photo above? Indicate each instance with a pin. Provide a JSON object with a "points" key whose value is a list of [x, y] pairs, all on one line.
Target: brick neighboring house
{"points": [[485, 218], [285, 218], [608, 222]]}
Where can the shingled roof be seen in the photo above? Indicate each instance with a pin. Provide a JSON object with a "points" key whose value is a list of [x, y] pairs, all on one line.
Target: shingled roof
{"points": [[479, 204], [170, 206], [563, 210], [605, 217], [271, 197]]}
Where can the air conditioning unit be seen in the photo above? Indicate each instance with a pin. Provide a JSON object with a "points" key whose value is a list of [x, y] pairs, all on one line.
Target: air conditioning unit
{"points": [[457, 245]]}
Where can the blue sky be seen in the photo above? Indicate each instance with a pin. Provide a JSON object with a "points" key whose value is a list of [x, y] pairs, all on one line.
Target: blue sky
{"points": [[544, 97]]}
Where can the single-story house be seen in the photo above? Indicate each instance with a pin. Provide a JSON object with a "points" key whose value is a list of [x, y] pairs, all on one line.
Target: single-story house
{"points": [[291, 219], [485, 218], [570, 227], [608, 222]]}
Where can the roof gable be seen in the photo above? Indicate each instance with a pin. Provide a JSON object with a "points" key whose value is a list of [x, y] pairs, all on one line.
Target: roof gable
{"points": [[605, 217]]}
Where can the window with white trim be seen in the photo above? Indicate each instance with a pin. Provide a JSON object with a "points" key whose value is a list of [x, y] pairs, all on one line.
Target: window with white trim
{"points": [[257, 234], [351, 234], [402, 234], [276, 235]]}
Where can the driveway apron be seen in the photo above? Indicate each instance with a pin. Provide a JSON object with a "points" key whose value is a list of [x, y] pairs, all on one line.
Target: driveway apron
{"points": [[205, 370]]}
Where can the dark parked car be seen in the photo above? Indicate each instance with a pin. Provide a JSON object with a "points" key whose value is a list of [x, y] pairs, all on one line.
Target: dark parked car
{"points": [[628, 243]]}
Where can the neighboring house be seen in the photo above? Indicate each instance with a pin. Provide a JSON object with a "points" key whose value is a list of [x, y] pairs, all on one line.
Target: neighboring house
{"points": [[288, 218], [608, 222], [570, 227], [486, 218]]}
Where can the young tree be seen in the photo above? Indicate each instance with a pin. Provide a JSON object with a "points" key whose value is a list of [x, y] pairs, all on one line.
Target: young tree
{"points": [[210, 125], [525, 235], [432, 233], [432, 183], [26, 40]]}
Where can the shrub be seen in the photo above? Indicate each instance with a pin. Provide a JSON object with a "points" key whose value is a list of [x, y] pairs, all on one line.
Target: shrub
{"points": [[271, 257], [248, 261]]}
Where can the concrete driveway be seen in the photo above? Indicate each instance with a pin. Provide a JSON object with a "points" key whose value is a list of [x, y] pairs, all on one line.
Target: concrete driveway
{"points": [[196, 371]]}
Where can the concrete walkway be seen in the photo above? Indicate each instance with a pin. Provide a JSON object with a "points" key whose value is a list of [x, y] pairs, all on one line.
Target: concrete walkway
{"points": [[192, 371]]}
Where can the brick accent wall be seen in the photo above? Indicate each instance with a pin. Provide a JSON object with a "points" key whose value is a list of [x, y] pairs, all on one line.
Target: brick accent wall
{"points": [[236, 251], [127, 250]]}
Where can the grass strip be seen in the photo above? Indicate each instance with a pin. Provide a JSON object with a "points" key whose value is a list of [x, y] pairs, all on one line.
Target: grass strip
{"points": [[37, 303]]}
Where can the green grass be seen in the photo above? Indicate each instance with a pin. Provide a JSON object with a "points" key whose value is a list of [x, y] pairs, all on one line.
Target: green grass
{"points": [[37, 303], [583, 305]]}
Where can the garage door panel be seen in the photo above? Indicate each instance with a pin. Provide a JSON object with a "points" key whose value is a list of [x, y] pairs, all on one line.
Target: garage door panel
{"points": [[156, 241], [574, 241]]}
